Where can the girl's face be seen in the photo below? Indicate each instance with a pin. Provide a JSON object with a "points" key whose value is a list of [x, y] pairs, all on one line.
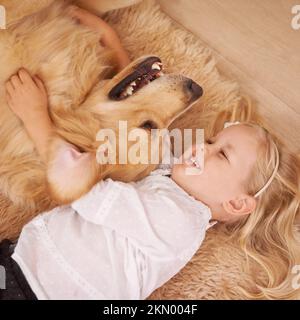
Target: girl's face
{"points": [[228, 160]]}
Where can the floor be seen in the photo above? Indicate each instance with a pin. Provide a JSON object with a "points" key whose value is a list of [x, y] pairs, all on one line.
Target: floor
{"points": [[255, 44]]}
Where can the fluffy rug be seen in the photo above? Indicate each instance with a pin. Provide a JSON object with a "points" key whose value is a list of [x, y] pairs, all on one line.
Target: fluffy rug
{"points": [[218, 268]]}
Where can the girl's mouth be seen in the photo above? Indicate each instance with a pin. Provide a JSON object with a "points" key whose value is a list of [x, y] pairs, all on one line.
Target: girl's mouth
{"points": [[194, 157], [193, 162], [146, 72]]}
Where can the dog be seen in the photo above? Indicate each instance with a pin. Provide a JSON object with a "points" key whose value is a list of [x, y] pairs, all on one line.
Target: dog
{"points": [[84, 97]]}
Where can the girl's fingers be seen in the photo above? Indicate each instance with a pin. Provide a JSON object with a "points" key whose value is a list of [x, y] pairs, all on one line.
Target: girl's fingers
{"points": [[39, 83], [9, 88], [24, 75], [9, 102], [15, 81], [8, 98]]}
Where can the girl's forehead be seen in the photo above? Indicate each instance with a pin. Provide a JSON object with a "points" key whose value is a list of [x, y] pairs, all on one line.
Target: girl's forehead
{"points": [[242, 144], [240, 137], [238, 130]]}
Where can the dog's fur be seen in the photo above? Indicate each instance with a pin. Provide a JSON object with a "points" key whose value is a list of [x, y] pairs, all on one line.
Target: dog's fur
{"points": [[69, 59]]}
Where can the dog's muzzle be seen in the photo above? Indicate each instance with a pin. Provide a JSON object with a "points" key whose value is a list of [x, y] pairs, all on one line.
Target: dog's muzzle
{"points": [[145, 72]]}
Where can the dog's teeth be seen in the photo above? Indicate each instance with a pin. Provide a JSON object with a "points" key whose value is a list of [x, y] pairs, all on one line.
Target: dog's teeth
{"points": [[133, 84], [129, 90], [156, 66]]}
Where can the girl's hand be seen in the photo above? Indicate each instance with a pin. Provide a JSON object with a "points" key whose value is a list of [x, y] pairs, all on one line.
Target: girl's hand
{"points": [[109, 35], [27, 97]]}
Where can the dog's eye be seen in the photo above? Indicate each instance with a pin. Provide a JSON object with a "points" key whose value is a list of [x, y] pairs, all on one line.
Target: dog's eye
{"points": [[148, 125]]}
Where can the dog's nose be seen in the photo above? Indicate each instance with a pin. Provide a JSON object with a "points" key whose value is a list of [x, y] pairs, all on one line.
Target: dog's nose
{"points": [[195, 89]]}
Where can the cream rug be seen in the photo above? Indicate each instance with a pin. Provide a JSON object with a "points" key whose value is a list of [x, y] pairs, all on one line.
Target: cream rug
{"points": [[218, 268]]}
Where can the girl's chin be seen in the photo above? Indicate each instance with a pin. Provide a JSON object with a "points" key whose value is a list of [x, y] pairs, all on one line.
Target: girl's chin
{"points": [[192, 171], [187, 169]]}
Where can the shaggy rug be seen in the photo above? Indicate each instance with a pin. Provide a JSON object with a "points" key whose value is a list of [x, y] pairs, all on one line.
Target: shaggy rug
{"points": [[218, 269]]}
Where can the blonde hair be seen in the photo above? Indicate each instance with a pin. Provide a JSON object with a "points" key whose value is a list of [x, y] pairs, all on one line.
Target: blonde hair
{"points": [[269, 236]]}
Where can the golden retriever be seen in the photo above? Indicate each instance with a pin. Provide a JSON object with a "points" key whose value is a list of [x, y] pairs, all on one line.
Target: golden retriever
{"points": [[74, 68]]}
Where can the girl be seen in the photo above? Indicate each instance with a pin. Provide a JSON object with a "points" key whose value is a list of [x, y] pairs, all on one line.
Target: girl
{"points": [[122, 241]]}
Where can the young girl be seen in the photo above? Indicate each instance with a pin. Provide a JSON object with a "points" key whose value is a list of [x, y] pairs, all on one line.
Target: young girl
{"points": [[122, 241]]}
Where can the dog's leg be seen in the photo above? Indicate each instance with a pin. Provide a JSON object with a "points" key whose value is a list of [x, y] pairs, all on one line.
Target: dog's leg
{"points": [[70, 173], [99, 7]]}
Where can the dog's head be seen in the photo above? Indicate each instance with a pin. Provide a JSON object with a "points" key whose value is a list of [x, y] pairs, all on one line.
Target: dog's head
{"points": [[143, 98]]}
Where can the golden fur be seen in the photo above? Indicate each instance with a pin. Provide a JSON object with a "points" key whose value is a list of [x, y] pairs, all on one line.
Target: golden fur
{"points": [[218, 270], [71, 62]]}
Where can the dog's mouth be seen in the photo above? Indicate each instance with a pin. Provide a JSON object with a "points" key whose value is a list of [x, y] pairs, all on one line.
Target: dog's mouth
{"points": [[144, 73]]}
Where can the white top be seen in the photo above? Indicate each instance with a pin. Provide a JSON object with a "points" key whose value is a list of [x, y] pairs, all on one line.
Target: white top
{"points": [[119, 241]]}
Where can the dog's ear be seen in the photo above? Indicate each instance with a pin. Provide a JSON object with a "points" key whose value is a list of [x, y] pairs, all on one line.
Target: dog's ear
{"points": [[70, 173]]}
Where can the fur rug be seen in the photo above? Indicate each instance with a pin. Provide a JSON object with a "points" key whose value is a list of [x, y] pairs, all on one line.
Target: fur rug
{"points": [[218, 267]]}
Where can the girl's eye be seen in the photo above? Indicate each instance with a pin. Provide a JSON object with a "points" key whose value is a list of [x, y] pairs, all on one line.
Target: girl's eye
{"points": [[209, 141], [223, 154]]}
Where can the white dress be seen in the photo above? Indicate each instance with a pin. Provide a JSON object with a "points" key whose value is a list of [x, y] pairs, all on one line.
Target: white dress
{"points": [[119, 241]]}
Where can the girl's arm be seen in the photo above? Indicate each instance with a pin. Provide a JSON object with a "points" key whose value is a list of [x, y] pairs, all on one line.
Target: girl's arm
{"points": [[109, 37], [27, 98], [70, 173]]}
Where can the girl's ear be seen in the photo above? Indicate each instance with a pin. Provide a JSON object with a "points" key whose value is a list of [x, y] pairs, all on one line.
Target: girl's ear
{"points": [[240, 206], [70, 173]]}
